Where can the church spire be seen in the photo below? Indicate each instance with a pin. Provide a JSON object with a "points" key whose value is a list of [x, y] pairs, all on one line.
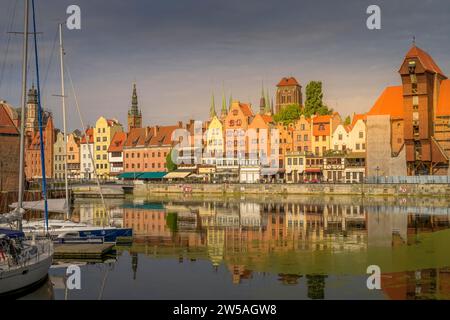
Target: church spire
{"points": [[224, 105], [212, 109], [230, 102], [262, 101], [267, 108], [134, 114]]}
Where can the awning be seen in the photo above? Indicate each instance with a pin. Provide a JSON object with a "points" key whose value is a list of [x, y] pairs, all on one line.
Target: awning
{"points": [[177, 175], [313, 170], [129, 175], [12, 233], [152, 175]]}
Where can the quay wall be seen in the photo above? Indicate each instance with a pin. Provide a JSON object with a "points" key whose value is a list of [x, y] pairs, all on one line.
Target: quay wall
{"points": [[403, 190]]}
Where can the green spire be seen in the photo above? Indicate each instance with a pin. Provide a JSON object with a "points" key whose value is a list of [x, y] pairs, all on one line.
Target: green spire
{"points": [[267, 109], [212, 110], [224, 105], [134, 102]]}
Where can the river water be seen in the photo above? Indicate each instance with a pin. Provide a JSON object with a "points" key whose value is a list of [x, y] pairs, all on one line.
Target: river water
{"points": [[265, 247]]}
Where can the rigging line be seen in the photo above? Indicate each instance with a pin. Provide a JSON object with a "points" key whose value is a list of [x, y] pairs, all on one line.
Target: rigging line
{"points": [[50, 60], [9, 27], [87, 138]]}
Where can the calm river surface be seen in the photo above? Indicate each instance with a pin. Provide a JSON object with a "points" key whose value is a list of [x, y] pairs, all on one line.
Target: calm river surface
{"points": [[257, 247]]}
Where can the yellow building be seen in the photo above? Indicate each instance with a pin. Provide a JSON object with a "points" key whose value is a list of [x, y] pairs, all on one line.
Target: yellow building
{"points": [[214, 142], [104, 131], [322, 128]]}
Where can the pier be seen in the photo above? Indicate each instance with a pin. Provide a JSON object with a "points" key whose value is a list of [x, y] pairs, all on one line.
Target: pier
{"points": [[82, 251]]}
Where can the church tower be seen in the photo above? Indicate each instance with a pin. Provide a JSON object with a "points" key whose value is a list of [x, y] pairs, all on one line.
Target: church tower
{"points": [[31, 122], [262, 102], [289, 92], [134, 114]]}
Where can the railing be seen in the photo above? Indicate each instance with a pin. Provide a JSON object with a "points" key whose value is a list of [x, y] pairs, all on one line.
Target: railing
{"points": [[409, 180]]}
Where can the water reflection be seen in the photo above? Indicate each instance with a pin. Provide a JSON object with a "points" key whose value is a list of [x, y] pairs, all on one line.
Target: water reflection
{"points": [[291, 248]]}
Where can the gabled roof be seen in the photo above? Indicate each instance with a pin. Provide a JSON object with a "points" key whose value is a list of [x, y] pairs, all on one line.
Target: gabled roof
{"points": [[6, 124], [268, 119], [321, 119], [246, 109], [117, 142], [90, 134], [357, 117], [291, 81], [163, 135], [135, 137], [389, 103], [426, 60]]}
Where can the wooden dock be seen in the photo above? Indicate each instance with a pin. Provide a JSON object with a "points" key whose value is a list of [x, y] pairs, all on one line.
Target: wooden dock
{"points": [[82, 251]]}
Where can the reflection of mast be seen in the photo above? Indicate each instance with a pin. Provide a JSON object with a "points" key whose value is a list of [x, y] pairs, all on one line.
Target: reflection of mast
{"points": [[134, 264]]}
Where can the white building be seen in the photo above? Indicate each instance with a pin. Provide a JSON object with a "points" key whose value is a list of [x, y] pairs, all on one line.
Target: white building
{"points": [[86, 164], [350, 137]]}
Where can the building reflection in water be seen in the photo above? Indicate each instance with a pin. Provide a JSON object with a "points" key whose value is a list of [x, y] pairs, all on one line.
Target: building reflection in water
{"points": [[240, 234]]}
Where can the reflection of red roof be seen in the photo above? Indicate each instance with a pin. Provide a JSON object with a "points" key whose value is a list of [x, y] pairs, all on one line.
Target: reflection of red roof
{"points": [[90, 134], [291, 81], [426, 60], [6, 124], [389, 103], [117, 142], [246, 109]]}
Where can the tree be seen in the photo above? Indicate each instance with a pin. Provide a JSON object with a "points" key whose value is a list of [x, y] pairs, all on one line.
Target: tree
{"points": [[171, 166], [313, 102], [288, 114], [347, 121]]}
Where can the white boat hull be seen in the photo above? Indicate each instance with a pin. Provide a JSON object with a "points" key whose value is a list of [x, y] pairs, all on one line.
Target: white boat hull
{"points": [[21, 278]]}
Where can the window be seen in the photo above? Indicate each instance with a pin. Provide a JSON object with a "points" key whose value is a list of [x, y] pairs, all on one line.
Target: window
{"points": [[105, 139], [295, 161], [340, 137], [324, 138], [324, 149], [289, 161], [98, 139], [299, 137], [317, 150], [361, 134], [364, 146], [238, 122], [105, 157], [302, 126], [321, 127], [317, 138], [300, 161], [98, 148], [231, 123], [305, 148], [357, 147], [104, 148]]}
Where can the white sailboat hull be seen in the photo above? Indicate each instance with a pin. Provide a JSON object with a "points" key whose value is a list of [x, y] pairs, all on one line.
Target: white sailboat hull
{"points": [[20, 278]]}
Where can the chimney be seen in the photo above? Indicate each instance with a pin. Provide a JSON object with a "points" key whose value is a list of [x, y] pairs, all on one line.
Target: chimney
{"points": [[180, 124]]}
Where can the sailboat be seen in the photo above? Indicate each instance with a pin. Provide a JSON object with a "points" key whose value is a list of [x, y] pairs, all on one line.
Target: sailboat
{"points": [[23, 263], [65, 230]]}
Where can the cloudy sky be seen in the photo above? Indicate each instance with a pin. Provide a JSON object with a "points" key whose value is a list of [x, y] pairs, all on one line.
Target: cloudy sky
{"points": [[180, 51]]}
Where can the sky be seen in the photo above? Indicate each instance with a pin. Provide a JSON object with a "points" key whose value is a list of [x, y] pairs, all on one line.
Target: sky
{"points": [[179, 52]]}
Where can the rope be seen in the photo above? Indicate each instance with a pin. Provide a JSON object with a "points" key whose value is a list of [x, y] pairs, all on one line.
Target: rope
{"points": [[84, 130]]}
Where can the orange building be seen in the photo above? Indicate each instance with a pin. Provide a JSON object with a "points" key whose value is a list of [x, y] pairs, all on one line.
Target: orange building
{"points": [[73, 156], [322, 129], [146, 149], [33, 168], [235, 124], [258, 139], [302, 135]]}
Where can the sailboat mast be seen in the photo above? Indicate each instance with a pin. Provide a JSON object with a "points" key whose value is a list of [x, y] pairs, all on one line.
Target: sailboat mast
{"points": [[63, 96], [22, 115], [40, 114]]}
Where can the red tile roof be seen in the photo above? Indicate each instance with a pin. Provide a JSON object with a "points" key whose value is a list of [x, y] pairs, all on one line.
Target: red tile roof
{"points": [[389, 103], [291, 81], [357, 117], [6, 124], [135, 137], [246, 109], [320, 119], [90, 134], [117, 142], [267, 118], [426, 60]]}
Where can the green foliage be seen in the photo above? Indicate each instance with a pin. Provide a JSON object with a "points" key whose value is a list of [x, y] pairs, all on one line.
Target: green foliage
{"points": [[347, 121], [171, 221], [288, 114], [171, 166], [313, 102]]}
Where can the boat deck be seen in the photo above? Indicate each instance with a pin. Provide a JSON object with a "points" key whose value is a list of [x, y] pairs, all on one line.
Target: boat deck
{"points": [[84, 251]]}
